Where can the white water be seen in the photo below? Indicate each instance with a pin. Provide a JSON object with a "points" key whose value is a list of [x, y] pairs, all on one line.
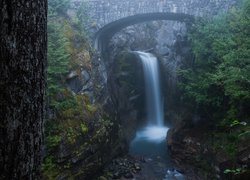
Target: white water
{"points": [[152, 133], [154, 99]]}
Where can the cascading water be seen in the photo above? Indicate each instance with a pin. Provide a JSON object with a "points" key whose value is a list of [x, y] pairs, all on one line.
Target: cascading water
{"points": [[153, 92], [155, 132], [150, 140]]}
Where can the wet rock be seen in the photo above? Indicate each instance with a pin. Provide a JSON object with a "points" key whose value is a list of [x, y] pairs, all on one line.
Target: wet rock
{"points": [[71, 75], [116, 175], [128, 175], [75, 84], [163, 50], [125, 167], [137, 166], [244, 157], [102, 178], [142, 159], [189, 152], [174, 174], [85, 76]]}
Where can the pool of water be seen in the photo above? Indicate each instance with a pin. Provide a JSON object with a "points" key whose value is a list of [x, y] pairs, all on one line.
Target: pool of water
{"points": [[150, 142]]}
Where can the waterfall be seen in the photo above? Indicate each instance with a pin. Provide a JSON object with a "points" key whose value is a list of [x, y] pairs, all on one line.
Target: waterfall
{"points": [[150, 141], [154, 100]]}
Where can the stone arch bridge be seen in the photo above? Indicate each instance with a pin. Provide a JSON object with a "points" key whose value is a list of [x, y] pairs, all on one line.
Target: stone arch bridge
{"points": [[112, 15], [106, 32]]}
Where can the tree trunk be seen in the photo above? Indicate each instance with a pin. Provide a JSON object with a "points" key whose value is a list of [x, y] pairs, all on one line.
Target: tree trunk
{"points": [[23, 46]]}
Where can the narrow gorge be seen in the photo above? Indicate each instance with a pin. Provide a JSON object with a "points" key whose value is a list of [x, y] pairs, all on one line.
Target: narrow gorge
{"points": [[135, 89], [124, 106]]}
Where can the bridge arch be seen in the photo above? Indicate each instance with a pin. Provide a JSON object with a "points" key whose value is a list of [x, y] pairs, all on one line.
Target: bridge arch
{"points": [[103, 35]]}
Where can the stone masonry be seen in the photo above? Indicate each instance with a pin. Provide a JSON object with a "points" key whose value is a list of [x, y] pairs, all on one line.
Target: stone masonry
{"points": [[103, 12]]}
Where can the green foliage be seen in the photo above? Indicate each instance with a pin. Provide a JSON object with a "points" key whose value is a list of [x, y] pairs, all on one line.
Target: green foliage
{"points": [[62, 53], [81, 18], [91, 108], [49, 168], [71, 135], [235, 171], [218, 81], [48, 163], [70, 117], [220, 76], [236, 122], [80, 21], [58, 57], [246, 133], [56, 7], [53, 141], [84, 129], [225, 142], [69, 102]]}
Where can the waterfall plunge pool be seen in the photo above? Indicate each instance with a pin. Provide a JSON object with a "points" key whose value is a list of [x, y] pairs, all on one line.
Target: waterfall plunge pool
{"points": [[150, 141]]}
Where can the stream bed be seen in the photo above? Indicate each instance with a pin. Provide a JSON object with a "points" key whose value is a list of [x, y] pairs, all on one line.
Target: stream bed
{"points": [[150, 145]]}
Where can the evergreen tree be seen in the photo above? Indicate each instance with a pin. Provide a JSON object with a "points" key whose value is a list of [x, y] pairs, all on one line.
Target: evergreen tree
{"points": [[58, 57]]}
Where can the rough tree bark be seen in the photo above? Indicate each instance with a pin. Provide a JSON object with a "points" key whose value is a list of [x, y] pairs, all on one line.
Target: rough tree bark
{"points": [[23, 46]]}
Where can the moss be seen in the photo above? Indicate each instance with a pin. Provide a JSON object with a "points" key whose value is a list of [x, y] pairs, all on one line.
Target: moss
{"points": [[73, 130], [91, 108], [84, 129], [78, 46], [53, 141]]}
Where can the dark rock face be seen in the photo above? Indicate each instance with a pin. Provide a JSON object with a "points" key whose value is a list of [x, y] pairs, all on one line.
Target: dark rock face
{"points": [[165, 39], [77, 82], [189, 153], [93, 139], [126, 88], [90, 81]]}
